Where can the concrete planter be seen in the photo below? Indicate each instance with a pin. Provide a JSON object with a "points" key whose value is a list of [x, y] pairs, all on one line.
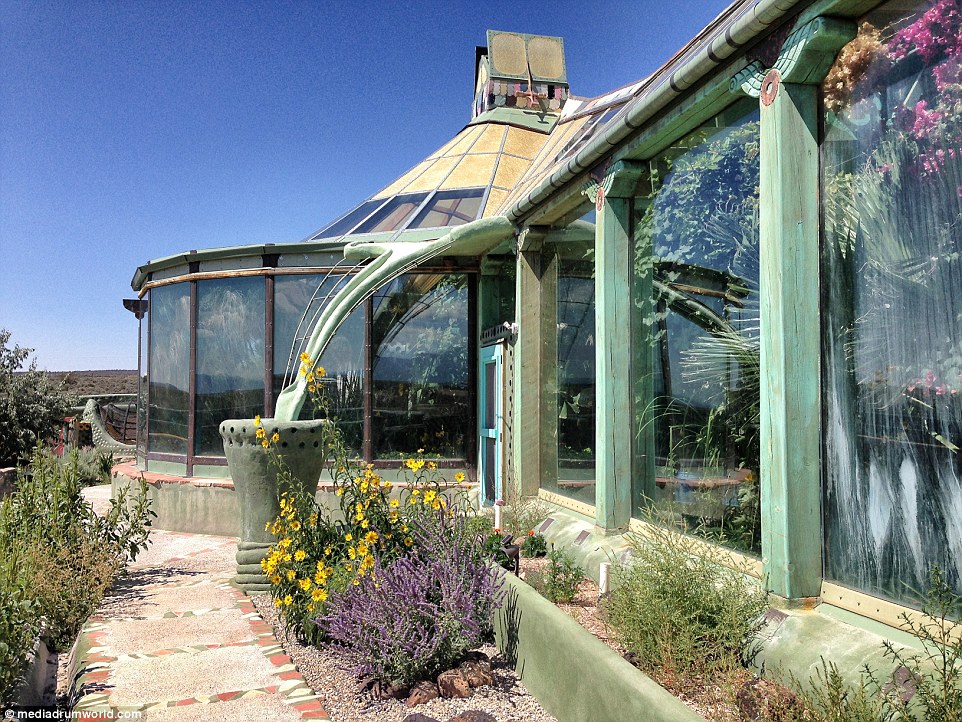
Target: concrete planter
{"points": [[257, 487]]}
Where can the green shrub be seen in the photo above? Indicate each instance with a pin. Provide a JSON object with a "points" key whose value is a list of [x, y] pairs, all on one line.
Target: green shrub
{"points": [[91, 465], [534, 545], [562, 577], [58, 557], [680, 612], [32, 405]]}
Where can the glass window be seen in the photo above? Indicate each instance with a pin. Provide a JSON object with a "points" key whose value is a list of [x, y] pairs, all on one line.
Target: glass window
{"points": [[421, 398], [892, 293], [169, 392], [298, 301], [576, 380], [143, 346], [346, 223], [393, 215], [450, 208], [230, 356], [695, 334]]}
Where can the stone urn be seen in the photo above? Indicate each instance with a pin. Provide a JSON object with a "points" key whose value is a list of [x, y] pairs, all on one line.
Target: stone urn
{"points": [[255, 481]]}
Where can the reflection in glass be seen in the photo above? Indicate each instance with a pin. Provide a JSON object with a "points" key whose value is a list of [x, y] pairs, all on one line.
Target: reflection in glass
{"points": [[393, 215], [343, 360], [449, 208], [230, 356], [892, 280], [347, 222], [142, 326], [169, 318], [576, 380], [420, 367], [696, 357]]}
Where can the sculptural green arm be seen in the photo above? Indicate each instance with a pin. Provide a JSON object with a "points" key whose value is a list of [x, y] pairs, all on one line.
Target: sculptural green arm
{"points": [[389, 260]]}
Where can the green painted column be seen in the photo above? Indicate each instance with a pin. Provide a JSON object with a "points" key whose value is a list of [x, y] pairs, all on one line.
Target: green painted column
{"points": [[529, 424], [789, 299], [614, 246]]}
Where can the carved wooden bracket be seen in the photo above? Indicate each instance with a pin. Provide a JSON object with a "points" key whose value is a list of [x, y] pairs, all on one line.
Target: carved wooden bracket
{"points": [[805, 58], [617, 180], [531, 238]]}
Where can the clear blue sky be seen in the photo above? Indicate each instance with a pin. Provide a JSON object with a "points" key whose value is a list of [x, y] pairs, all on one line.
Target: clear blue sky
{"points": [[135, 130]]}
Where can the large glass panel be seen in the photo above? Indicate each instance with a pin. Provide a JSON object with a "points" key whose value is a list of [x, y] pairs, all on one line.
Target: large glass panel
{"points": [[230, 356], [169, 392], [892, 289], [298, 300], [393, 215], [420, 367], [347, 222], [576, 379], [695, 334], [450, 208]]}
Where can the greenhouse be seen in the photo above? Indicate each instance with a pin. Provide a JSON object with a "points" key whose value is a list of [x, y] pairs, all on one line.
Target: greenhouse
{"points": [[729, 292]]}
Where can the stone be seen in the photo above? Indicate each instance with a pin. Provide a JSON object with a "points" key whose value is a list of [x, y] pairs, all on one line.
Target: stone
{"points": [[418, 717], [422, 692], [476, 655], [473, 715], [477, 674], [453, 684]]}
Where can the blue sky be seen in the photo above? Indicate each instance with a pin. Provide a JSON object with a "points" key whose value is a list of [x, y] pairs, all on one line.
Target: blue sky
{"points": [[135, 130]]}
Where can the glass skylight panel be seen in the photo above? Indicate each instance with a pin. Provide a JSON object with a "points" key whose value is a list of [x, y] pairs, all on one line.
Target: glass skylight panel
{"points": [[393, 214], [450, 208], [345, 223]]}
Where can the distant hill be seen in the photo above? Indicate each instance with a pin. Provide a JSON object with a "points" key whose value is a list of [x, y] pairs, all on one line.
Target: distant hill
{"points": [[98, 383]]}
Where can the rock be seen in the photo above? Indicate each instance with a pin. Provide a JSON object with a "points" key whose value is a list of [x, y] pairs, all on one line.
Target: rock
{"points": [[453, 684], [473, 715], [418, 717], [422, 692], [477, 674], [475, 655]]}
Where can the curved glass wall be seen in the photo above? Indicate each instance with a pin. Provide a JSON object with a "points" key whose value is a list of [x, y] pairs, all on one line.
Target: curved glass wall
{"points": [[695, 334], [169, 371], [420, 367], [229, 373], [297, 302], [892, 271], [398, 367]]}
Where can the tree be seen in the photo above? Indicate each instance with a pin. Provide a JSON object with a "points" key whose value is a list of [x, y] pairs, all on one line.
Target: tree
{"points": [[32, 405]]}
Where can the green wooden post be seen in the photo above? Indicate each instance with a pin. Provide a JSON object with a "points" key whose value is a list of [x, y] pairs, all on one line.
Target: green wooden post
{"points": [[789, 298], [529, 364], [614, 245]]}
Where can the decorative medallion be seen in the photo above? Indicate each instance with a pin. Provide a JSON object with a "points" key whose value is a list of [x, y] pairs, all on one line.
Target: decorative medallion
{"points": [[770, 87], [600, 199]]}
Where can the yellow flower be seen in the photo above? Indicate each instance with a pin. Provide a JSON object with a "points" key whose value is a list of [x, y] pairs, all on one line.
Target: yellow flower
{"points": [[305, 358], [295, 525], [276, 579], [362, 548], [348, 537], [327, 552], [288, 600], [267, 526], [304, 583], [265, 443], [299, 555], [320, 371], [394, 503], [420, 451], [310, 377], [278, 602], [276, 437], [290, 575], [436, 505], [432, 466], [370, 537], [319, 595], [429, 496], [459, 477], [408, 541], [260, 433], [257, 420], [285, 542], [312, 388], [365, 523], [339, 492]]}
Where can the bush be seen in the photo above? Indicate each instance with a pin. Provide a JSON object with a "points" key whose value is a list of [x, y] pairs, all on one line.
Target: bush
{"points": [[417, 615], [534, 545], [562, 577], [32, 406], [59, 558], [680, 612]]}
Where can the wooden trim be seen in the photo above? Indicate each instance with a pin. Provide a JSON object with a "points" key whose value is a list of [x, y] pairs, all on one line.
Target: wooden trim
{"points": [[727, 557], [471, 450], [876, 608], [587, 510]]}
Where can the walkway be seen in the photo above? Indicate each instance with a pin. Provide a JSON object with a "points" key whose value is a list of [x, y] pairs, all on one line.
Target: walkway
{"points": [[174, 638]]}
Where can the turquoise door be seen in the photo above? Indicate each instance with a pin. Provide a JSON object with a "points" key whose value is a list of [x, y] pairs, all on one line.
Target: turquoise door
{"points": [[491, 423]]}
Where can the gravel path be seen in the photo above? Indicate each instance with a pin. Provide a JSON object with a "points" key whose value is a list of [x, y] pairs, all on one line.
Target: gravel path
{"points": [[507, 700]]}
